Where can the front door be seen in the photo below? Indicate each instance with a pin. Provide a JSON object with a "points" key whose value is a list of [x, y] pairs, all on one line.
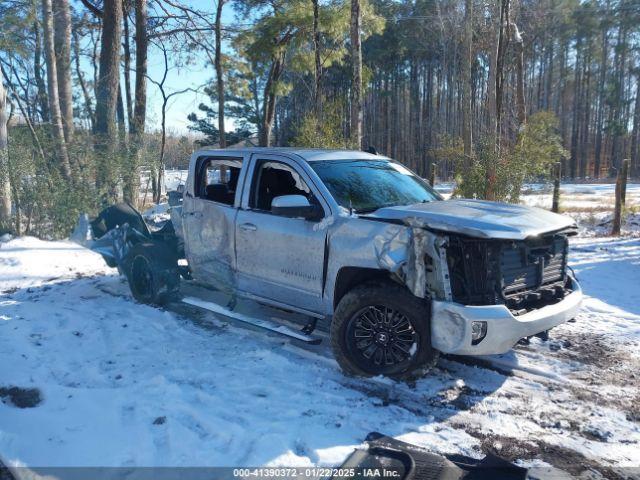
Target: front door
{"points": [[280, 258]]}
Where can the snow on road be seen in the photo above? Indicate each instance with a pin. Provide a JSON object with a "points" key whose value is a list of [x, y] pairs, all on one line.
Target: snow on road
{"points": [[124, 384]]}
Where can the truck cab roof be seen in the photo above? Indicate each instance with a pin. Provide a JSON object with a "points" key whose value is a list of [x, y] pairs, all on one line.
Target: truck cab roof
{"points": [[307, 154]]}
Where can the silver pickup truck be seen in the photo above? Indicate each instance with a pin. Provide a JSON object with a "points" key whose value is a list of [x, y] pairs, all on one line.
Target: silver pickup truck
{"points": [[361, 241]]}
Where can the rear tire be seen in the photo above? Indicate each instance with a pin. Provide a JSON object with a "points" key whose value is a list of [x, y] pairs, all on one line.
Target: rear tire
{"points": [[152, 273], [382, 329]]}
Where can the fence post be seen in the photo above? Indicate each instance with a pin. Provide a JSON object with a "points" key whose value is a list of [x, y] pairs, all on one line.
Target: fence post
{"points": [[621, 193], [432, 175], [555, 205]]}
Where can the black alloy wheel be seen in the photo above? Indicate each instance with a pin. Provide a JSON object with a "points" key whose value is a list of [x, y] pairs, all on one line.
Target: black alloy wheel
{"points": [[381, 328], [381, 338]]}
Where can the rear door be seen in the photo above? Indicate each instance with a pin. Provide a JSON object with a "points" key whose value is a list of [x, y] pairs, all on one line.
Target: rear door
{"points": [[209, 210], [280, 258]]}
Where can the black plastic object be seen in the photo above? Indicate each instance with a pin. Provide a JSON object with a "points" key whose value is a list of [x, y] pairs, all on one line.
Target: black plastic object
{"points": [[116, 216], [410, 462], [119, 227]]}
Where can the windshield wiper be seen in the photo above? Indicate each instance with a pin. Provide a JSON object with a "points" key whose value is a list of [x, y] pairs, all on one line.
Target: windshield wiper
{"points": [[367, 210], [373, 209]]}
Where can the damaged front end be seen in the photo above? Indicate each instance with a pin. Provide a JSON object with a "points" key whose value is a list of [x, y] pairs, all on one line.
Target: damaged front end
{"points": [[523, 275], [485, 294], [415, 257], [502, 291]]}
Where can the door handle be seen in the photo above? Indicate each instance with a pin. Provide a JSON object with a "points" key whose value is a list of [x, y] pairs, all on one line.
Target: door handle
{"points": [[192, 214], [249, 227]]}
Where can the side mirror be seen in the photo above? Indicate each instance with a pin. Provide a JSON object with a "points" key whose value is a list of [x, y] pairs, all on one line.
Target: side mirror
{"points": [[295, 206]]}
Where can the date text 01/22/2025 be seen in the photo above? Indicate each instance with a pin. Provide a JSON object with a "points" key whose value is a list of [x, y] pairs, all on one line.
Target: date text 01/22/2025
{"points": [[316, 473]]}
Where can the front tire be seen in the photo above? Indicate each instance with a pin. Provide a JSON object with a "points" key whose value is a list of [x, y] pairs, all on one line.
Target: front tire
{"points": [[152, 273], [382, 329]]}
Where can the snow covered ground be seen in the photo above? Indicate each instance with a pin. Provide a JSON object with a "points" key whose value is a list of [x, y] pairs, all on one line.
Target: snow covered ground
{"points": [[123, 384]]}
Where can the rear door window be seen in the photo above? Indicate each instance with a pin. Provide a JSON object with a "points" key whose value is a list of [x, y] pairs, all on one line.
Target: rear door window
{"points": [[217, 179]]}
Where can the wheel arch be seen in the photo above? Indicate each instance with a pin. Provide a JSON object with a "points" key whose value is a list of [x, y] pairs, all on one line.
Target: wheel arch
{"points": [[350, 277]]}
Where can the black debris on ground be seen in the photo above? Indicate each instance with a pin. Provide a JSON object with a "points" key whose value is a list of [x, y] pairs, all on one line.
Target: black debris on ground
{"points": [[160, 420], [21, 397]]}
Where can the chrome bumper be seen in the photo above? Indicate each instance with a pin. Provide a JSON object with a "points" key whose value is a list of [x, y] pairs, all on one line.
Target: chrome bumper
{"points": [[451, 324]]}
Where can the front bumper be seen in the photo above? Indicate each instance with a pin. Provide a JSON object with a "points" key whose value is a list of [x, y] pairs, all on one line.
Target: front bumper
{"points": [[451, 324]]}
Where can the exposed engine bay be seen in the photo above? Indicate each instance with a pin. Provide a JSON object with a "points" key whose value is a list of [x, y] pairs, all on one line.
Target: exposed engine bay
{"points": [[522, 275]]}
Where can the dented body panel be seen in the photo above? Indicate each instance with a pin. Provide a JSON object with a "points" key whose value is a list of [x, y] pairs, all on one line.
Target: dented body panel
{"points": [[209, 232]]}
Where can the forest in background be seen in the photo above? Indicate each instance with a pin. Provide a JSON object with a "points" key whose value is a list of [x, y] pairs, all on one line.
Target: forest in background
{"points": [[491, 92], [578, 60]]}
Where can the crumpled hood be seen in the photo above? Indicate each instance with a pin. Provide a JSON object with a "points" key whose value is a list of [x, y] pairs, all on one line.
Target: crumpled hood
{"points": [[479, 218]]}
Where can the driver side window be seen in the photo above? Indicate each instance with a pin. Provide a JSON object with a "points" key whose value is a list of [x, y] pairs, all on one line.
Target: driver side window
{"points": [[275, 179]]}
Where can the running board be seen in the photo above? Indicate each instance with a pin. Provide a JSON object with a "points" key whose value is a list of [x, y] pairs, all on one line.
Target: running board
{"points": [[266, 324]]}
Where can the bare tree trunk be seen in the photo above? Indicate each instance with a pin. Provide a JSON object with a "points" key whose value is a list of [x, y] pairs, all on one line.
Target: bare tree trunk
{"points": [[219, 77], [95, 60], [317, 93], [555, 199], [621, 192], [520, 102], [157, 189], [120, 118], [62, 47], [132, 182], [466, 83], [107, 96], [597, 164], [635, 133], [52, 83], [503, 40], [586, 120], [142, 42], [5, 187], [492, 124], [43, 101], [108, 77], [88, 103], [356, 79], [618, 98], [387, 118], [270, 97], [577, 107], [127, 66]]}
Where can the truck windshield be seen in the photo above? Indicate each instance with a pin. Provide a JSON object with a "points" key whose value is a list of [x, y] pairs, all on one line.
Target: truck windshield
{"points": [[367, 185]]}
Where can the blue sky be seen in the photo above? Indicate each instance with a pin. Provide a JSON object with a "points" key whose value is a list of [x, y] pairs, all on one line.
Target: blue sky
{"points": [[179, 78], [181, 105], [192, 76]]}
